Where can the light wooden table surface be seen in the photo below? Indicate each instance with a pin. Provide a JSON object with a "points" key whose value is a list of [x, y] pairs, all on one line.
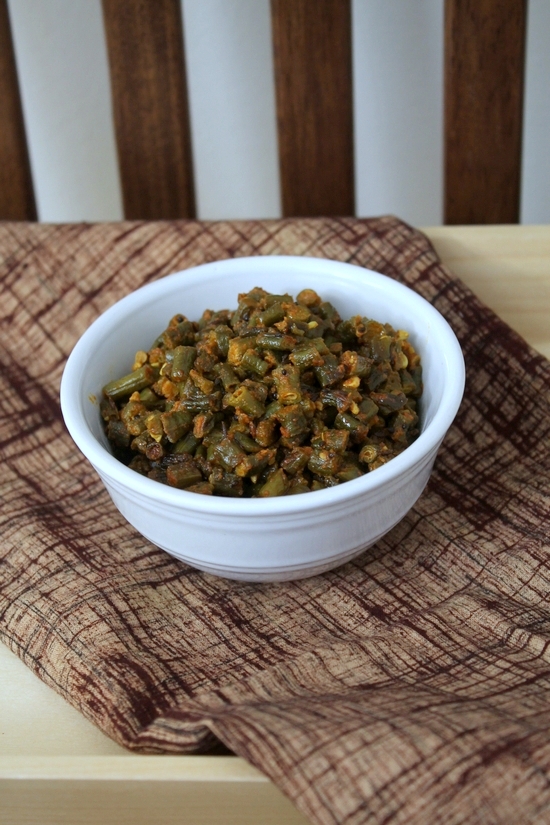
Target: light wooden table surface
{"points": [[57, 769], [508, 267]]}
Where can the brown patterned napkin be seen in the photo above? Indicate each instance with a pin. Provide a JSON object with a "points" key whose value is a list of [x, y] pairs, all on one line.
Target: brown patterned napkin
{"points": [[410, 686]]}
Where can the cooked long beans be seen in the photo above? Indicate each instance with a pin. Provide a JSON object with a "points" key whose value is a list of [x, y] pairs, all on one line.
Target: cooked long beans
{"points": [[278, 397]]}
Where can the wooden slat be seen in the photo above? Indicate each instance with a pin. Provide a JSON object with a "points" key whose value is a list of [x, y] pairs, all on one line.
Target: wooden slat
{"points": [[312, 53], [145, 47], [484, 68], [16, 189]]}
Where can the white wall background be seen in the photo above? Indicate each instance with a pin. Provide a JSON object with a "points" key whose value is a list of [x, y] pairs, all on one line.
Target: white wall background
{"points": [[398, 94]]}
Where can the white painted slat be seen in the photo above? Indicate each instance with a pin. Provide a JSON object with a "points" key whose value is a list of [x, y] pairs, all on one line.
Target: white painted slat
{"points": [[62, 67], [232, 102], [535, 187], [398, 104]]}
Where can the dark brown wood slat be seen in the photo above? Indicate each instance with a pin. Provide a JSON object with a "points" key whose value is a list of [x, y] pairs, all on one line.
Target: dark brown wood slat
{"points": [[145, 47], [484, 70], [16, 189], [312, 53]]}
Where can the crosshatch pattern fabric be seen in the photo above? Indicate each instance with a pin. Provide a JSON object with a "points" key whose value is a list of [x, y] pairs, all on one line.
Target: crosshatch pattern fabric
{"points": [[411, 685]]}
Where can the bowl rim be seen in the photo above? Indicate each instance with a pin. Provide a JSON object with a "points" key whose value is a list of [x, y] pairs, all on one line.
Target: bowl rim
{"points": [[402, 465]]}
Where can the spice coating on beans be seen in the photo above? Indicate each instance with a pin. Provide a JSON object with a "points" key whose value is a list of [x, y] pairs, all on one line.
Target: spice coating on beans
{"points": [[278, 397]]}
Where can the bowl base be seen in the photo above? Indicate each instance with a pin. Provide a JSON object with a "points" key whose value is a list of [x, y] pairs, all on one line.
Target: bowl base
{"points": [[279, 574]]}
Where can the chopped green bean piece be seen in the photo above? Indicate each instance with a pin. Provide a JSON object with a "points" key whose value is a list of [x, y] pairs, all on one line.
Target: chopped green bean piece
{"points": [[348, 473], [389, 401], [254, 463], [296, 461], [266, 433], [368, 453], [246, 442], [183, 475], [272, 314], [188, 444], [117, 434], [227, 453], [133, 382], [275, 341], [287, 383], [134, 415], [226, 484], [254, 363], [176, 424], [308, 297], [330, 371], [237, 348], [228, 376], [223, 335], [336, 440], [182, 362], [203, 487], [243, 399], [140, 464], [324, 462], [294, 425], [276, 485], [150, 400], [296, 487], [346, 421], [278, 397], [368, 409], [306, 355]]}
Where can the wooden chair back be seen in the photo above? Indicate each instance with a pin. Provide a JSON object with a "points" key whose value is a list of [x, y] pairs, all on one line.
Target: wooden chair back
{"points": [[484, 66]]}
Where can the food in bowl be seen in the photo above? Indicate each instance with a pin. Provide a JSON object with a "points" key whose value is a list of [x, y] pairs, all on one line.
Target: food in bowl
{"points": [[277, 397], [280, 537]]}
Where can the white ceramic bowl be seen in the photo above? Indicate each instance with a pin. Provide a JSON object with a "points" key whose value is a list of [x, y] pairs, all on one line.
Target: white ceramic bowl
{"points": [[276, 538]]}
